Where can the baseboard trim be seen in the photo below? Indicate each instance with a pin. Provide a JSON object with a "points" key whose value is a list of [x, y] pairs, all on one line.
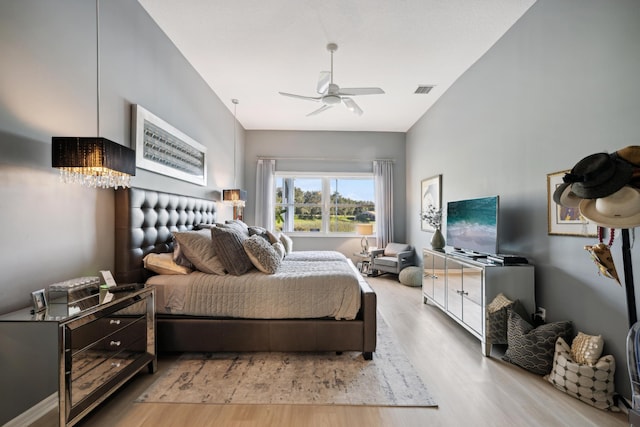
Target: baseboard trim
{"points": [[34, 413]]}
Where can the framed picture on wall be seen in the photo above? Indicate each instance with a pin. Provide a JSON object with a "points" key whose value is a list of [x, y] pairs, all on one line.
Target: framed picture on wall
{"points": [[430, 195], [565, 221]]}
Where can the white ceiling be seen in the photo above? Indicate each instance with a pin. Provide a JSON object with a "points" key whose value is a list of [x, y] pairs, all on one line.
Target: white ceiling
{"points": [[252, 49]]}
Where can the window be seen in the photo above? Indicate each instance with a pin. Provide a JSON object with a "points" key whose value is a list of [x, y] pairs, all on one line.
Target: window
{"points": [[322, 203]]}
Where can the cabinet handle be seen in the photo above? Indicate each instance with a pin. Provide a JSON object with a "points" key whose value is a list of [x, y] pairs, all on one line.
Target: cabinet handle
{"points": [[115, 343], [114, 322], [462, 292]]}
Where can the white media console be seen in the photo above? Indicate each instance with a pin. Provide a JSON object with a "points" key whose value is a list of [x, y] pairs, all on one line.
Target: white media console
{"points": [[463, 287]]}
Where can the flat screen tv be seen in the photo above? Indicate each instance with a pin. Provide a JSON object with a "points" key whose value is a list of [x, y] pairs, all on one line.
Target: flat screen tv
{"points": [[472, 225]]}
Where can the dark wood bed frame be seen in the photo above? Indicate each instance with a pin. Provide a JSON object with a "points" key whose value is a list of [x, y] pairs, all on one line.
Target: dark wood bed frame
{"points": [[144, 222]]}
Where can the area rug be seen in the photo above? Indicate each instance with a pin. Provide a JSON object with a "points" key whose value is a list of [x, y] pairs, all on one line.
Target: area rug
{"points": [[294, 378]]}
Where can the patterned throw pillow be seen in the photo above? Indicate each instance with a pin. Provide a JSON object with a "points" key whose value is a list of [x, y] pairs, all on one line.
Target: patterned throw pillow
{"points": [[532, 348], [497, 312], [262, 255], [587, 349], [228, 245], [591, 384]]}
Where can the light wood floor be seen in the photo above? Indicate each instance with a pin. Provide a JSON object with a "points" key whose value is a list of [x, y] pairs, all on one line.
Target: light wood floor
{"points": [[471, 390]]}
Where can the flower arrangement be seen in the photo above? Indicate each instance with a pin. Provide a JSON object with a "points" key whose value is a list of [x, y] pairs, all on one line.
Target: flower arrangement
{"points": [[433, 216]]}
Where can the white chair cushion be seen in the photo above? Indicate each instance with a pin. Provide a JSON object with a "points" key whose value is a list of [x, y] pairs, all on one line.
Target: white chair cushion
{"points": [[393, 249]]}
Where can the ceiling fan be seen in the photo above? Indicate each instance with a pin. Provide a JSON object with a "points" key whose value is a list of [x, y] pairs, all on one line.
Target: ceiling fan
{"points": [[331, 94]]}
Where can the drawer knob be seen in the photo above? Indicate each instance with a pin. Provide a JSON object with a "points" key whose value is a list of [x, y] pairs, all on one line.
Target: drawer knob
{"points": [[115, 364], [114, 322], [115, 343]]}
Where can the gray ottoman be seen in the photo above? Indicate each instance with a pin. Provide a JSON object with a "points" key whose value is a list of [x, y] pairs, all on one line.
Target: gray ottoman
{"points": [[411, 276]]}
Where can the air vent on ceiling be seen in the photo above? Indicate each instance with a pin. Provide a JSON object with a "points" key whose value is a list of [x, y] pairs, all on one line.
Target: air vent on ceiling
{"points": [[423, 89]]}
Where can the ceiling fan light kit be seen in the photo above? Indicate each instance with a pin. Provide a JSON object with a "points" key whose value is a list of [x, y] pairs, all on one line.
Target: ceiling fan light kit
{"points": [[331, 94]]}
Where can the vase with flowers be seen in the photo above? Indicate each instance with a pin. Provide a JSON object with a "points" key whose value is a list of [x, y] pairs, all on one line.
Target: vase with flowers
{"points": [[433, 217]]}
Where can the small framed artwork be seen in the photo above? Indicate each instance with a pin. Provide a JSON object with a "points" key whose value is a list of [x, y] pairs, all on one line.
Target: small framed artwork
{"points": [[562, 220], [39, 300], [430, 195]]}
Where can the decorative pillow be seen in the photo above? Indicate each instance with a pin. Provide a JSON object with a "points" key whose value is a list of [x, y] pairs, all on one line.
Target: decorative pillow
{"points": [[497, 312], [203, 226], [287, 243], [227, 243], [272, 237], [591, 384], [178, 255], [258, 231], [163, 264], [236, 224], [198, 248], [587, 349], [279, 248], [262, 255], [532, 348], [393, 249]]}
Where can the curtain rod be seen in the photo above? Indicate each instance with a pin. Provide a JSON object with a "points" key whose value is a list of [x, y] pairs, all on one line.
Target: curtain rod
{"points": [[333, 159]]}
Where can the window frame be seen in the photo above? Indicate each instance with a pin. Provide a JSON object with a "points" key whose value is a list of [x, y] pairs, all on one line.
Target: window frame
{"points": [[325, 202]]}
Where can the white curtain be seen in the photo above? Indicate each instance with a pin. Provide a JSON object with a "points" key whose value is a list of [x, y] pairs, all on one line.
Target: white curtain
{"points": [[383, 175], [265, 197]]}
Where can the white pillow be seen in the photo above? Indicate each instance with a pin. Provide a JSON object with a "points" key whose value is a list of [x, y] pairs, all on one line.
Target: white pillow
{"points": [[163, 264], [287, 243]]}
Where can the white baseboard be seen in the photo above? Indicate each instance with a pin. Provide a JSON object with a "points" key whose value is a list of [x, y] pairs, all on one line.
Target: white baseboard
{"points": [[34, 413]]}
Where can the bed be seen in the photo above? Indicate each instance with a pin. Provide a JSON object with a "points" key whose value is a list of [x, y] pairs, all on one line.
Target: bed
{"points": [[145, 222]]}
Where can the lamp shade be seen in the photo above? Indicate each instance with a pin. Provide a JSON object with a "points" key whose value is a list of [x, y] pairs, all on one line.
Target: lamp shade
{"points": [[96, 162], [234, 195], [364, 229]]}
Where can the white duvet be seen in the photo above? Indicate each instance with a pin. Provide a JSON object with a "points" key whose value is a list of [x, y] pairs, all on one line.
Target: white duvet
{"points": [[305, 286]]}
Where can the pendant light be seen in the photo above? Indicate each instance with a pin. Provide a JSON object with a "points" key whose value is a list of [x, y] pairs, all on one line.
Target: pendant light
{"points": [[235, 196], [93, 161]]}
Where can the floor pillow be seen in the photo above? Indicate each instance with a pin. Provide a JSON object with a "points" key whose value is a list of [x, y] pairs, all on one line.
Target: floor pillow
{"points": [[532, 348], [593, 384]]}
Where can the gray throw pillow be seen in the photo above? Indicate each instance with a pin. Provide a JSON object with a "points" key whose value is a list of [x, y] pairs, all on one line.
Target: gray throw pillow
{"points": [[532, 348], [198, 248], [262, 254], [227, 243]]}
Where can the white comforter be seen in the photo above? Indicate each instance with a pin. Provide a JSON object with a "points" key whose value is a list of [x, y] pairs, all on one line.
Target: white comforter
{"points": [[305, 286]]}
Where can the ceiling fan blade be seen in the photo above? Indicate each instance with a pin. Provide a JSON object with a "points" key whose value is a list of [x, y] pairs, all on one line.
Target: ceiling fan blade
{"points": [[351, 91], [319, 110], [307, 98], [352, 106], [323, 82]]}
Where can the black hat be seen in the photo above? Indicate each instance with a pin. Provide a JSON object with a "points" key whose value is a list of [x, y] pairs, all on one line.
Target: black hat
{"points": [[598, 175]]}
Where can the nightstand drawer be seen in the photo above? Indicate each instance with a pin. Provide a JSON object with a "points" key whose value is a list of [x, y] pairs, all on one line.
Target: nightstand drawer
{"points": [[87, 335], [129, 337]]}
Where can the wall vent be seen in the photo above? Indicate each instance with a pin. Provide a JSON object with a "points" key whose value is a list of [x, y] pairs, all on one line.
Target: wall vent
{"points": [[423, 89]]}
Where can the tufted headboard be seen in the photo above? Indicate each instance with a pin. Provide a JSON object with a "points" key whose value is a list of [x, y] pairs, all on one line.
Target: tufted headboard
{"points": [[144, 223]]}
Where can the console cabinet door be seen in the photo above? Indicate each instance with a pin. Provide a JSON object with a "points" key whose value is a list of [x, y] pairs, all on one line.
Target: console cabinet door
{"points": [[434, 278], [472, 292], [454, 275]]}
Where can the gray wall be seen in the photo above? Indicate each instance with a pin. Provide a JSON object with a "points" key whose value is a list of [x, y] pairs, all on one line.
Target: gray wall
{"points": [[561, 84], [329, 152], [53, 231]]}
